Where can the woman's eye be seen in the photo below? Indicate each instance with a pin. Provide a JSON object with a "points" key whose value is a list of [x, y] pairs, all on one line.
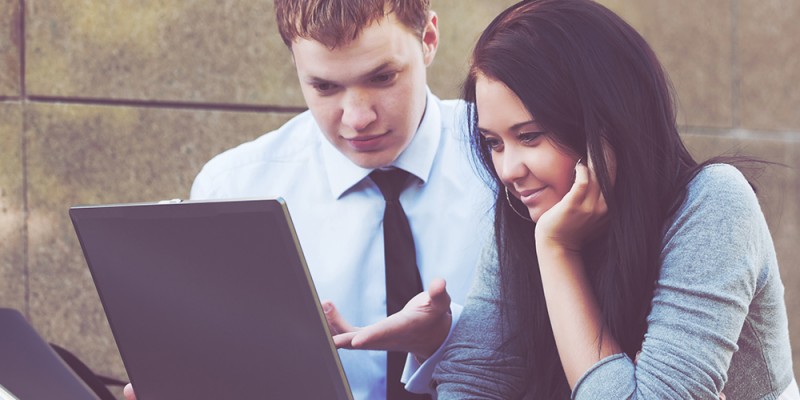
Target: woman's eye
{"points": [[529, 137], [493, 144]]}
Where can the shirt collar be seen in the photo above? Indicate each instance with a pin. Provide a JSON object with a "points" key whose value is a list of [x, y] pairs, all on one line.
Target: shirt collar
{"points": [[416, 159]]}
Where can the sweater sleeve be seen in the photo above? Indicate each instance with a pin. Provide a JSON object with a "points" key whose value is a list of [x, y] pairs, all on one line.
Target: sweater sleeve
{"points": [[479, 361], [710, 272]]}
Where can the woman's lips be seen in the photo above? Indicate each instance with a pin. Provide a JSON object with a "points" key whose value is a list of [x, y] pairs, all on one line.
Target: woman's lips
{"points": [[530, 196]]}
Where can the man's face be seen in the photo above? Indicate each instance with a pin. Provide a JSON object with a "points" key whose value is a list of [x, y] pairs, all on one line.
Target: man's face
{"points": [[369, 95]]}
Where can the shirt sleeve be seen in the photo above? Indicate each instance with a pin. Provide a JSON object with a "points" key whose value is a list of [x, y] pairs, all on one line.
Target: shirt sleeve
{"points": [[711, 265], [479, 360], [417, 376]]}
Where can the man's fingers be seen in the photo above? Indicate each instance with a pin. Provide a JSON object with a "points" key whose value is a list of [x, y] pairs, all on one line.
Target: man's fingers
{"points": [[336, 323], [128, 392], [381, 335], [344, 340], [437, 290]]}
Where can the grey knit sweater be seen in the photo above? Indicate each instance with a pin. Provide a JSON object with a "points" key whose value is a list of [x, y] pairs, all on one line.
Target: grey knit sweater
{"points": [[718, 319]]}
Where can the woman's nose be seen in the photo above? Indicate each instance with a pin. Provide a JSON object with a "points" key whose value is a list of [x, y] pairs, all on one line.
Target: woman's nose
{"points": [[512, 167]]}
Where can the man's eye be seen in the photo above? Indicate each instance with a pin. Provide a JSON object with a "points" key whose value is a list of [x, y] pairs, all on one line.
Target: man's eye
{"points": [[324, 87], [384, 78]]}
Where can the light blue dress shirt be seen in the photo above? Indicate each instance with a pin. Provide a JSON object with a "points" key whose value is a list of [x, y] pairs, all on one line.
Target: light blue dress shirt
{"points": [[337, 211]]}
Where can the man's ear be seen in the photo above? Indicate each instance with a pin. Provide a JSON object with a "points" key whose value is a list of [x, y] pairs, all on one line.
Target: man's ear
{"points": [[430, 38]]}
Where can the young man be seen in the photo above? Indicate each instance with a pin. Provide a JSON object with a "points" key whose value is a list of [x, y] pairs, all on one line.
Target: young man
{"points": [[362, 70]]}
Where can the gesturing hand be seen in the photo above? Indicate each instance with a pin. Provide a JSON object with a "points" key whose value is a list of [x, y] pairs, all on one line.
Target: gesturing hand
{"points": [[419, 328], [128, 392]]}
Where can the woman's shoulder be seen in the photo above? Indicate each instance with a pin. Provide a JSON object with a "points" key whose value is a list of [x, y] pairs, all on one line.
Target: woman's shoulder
{"points": [[720, 176], [718, 199], [720, 187]]}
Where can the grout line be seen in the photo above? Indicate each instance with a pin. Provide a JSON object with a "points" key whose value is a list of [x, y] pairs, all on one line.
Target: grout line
{"points": [[24, 160], [165, 104], [22, 48], [25, 213], [736, 68], [739, 133]]}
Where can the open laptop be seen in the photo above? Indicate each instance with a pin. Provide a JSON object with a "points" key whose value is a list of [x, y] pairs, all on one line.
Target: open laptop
{"points": [[30, 368], [210, 300]]}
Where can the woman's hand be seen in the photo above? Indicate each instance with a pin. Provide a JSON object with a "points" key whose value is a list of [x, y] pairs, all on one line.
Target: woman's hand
{"points": [[579, 215]]}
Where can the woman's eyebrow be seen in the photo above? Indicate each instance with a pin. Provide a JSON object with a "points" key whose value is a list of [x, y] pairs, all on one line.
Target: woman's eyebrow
{"points": [[514, 127]]}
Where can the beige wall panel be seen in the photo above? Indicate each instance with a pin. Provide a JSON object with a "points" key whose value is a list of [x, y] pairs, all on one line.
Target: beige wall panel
{"points": [[460, 24], [769, 51], [81, 154], [181, 51], [779, 188], [193, 52], [692, 38], [12, 210], [10, 42]]}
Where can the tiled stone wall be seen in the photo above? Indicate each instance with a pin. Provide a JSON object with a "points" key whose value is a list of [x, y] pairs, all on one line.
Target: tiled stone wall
{"points": [[124, 101]]}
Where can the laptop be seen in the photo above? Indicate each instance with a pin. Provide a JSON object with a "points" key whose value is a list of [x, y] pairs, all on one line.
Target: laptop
{"points": [[210, 300], [30, 368]]}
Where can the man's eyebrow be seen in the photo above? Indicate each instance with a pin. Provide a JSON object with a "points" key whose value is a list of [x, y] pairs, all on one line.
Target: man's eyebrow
{"points": [[317, 81], [379, 69], [375, 71]]}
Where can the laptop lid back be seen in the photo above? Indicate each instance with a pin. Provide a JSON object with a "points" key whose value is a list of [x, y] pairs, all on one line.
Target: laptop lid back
{"points": [[30, 368], [210, 300]]}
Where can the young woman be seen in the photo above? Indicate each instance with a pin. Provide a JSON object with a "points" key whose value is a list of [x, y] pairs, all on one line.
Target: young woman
{"points": [[621, 267]]}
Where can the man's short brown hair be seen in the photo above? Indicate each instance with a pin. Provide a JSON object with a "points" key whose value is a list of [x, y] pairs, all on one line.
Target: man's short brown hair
{"points": [[337, 22]]}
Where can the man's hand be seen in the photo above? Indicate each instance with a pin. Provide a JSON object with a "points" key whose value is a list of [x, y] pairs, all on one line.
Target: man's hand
{"points": [[419, 328], [128, 392]]}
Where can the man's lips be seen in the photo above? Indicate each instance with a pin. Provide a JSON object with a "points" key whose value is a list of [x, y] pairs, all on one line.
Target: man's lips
{"points": [[366, 142]]}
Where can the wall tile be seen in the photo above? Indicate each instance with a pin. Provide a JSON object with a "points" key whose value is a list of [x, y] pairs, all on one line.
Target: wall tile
{"points": [[460, 25], [122, 50], [10, 40], [81, 154], [184, 51], [692, 39], [779, 188], [12, 209], [768, 42]]}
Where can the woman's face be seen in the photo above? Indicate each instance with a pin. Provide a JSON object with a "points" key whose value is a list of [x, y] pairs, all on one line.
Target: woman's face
{"points": [[529, 162]]}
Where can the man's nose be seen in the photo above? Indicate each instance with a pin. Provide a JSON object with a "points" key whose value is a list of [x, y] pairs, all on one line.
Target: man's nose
{"points": [[357, 110]]}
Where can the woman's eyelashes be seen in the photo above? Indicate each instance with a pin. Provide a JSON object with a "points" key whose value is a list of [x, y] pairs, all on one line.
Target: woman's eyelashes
{"points": [[493, 143], [529, 138], [524, 138]]}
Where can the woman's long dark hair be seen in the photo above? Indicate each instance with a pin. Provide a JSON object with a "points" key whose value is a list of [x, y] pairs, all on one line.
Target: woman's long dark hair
{"points": [[591, 80]]}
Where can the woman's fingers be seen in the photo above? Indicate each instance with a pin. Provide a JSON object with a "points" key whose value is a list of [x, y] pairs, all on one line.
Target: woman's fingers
{"points": [[593, 202]]}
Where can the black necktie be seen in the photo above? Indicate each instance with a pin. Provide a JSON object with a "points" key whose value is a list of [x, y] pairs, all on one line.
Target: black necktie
{"points": [[402, 276]]}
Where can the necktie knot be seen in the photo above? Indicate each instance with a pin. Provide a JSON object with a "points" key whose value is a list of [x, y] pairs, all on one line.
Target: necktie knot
{"points": [[391, 182]]}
